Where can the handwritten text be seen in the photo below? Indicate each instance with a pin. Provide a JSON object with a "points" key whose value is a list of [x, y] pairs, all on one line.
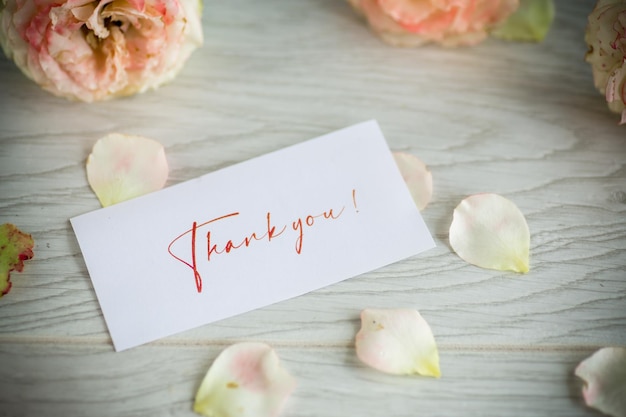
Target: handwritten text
{"points": [[212, 246]]}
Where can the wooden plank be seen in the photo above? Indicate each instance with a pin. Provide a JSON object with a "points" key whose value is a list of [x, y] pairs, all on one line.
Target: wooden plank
{"points": [[523, 120], [75, 380], [567, 178]]}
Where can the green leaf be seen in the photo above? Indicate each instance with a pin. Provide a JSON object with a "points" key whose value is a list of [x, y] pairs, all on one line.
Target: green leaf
{"points": [[530, 22], [15, 248]]}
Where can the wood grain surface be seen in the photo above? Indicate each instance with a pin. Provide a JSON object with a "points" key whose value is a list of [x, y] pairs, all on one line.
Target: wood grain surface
{"points": [[522, 120]]}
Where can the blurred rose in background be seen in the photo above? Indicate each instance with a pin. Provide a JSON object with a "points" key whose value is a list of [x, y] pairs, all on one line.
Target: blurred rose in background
{"points": [[606, 38], [94, 50], [446, 22]]}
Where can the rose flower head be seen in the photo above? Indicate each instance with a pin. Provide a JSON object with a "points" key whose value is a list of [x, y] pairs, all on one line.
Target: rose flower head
{"points": [[91, 50], [606, 38], [447, 22]]}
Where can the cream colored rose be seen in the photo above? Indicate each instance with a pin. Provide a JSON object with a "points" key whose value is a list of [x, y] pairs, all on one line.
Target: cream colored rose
{"points": [[447, 22], [606, 38], [94, 50]]}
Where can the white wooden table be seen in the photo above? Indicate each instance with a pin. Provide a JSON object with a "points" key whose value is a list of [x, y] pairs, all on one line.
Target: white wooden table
{"points": [[521, 120]]}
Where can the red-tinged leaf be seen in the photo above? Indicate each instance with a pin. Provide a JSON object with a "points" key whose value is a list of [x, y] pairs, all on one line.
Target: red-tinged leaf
{"points": [[15, 248]]}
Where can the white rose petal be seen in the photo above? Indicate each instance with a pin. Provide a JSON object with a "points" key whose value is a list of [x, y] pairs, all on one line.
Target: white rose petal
{"points": [[397, 341], [246, 380], [121, 167], [417, 177], [489, 231]]}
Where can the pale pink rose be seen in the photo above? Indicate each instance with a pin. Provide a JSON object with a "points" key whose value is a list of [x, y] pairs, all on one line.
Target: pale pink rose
{"points": [[606, 38], [94, 50], [447, 22]]}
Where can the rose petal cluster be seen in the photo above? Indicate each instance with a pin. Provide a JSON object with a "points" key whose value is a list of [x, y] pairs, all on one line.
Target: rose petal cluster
{"points": [[92, 50], [446, 22], [606, 39]]}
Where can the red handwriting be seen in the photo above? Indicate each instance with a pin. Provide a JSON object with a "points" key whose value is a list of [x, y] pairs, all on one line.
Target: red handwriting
{"points": [[354, 200], [310, 221], [271, 232], [193, 265]]}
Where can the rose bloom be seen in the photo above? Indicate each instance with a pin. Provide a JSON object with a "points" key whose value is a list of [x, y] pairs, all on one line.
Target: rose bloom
{"points": [[94, 50], [606, 38], [447, 22]]}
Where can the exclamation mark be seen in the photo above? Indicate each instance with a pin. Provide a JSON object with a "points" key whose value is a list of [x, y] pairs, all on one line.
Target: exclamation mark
{"points": [[354, 200]]}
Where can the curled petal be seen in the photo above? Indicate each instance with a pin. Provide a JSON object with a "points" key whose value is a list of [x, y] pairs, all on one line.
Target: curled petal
{"points": [[397, 341], [530, 22], [489, 231], [604, 374], [122, 167], [246, 379], [15, 248], [417, 177]]}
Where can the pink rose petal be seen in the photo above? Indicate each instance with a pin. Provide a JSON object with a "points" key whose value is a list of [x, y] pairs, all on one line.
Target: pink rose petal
{"points": [[604, 374], [246, 379], [397, 341], [417, 177], [489, 231], [122, 167]]}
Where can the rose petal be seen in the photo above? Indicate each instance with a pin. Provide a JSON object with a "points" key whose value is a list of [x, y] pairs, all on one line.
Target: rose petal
{"points": [[530, 22], [122, 167], [15, 248], [417, 177], [246, 379], [604, 374], [489, 231], [397, 341]]}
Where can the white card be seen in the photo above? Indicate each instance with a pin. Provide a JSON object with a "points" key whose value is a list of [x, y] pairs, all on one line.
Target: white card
{"points": [[250, 235]]}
